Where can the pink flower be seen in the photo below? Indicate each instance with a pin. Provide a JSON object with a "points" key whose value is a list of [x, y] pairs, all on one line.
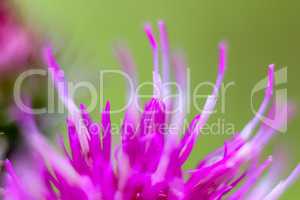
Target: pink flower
{"points": [[15, 44], [148, 164]]}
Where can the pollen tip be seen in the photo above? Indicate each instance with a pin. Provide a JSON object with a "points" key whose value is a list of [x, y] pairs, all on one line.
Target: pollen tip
{"points": [[7, 162], [297, 169], [270, 78], [161, 24], [223, 56], [223, 44], [49, 59], [82, 106], [150, 35], [270, 158], [107, 106], [7, 165], [198, 116]]}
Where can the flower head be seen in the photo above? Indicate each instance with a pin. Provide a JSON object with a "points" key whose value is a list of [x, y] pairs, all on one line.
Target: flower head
{"points": [[148, 163]]}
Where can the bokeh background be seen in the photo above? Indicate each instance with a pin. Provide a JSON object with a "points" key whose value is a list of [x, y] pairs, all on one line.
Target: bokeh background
{"points": [[259, 32]]}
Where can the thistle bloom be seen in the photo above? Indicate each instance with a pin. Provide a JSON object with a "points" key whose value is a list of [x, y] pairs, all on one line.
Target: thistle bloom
{"points": [[148, 164]]}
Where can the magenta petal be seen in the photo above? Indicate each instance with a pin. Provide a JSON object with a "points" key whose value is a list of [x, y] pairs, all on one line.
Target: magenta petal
{"points": [[149, 162]]}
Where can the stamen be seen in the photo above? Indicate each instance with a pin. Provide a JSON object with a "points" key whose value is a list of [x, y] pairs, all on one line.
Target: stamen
{"points": [[270, 79], [180, 68], [106, 132], [126, 60], [164, 43], [252, 177], [249, 128], [223, 57], [156, 76], [188, 143], [62, 89], [283, 185]]}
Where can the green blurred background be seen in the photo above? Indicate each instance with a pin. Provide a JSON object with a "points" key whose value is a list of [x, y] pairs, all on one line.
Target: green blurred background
{"points": [[259, 32]]}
